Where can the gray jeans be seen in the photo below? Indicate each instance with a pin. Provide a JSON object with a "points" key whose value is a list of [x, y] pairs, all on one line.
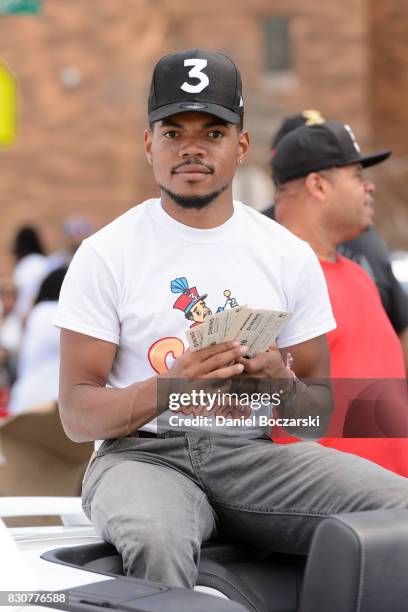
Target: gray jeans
{"points": [[158, 499]]}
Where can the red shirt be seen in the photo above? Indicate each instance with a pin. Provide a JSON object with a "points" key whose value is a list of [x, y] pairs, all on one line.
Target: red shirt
{"points": [[363, 345]]}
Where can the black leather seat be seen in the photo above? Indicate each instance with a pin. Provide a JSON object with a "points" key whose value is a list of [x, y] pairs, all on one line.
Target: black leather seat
{"points": [[260, 582], [357, 562]]}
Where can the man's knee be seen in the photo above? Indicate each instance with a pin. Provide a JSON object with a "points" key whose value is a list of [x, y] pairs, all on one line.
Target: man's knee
{"points": [[156, 518], [155, 550]]}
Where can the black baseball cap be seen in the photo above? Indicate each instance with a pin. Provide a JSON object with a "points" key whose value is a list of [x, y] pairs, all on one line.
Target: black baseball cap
{"points": [[319, 147], [291, 122], [196, 80]]}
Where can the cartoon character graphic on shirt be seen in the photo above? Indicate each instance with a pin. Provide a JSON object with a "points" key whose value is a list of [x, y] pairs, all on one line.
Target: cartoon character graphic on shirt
{"points": [[230, 301], [195, 309], [192, 304]]}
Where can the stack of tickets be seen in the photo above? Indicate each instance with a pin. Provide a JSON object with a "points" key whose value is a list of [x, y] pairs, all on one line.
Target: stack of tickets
{"points": [[255, 328]]}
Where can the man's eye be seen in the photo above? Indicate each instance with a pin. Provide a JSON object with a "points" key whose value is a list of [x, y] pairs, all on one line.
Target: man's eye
{"points": [[170, 134], [215, 134]]}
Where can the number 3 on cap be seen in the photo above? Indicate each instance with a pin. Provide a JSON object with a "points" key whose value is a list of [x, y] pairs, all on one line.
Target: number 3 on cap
{"points": [[195, 73]]}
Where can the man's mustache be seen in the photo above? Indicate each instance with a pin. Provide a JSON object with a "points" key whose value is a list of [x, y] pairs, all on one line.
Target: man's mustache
{"points": [[192, 162]]}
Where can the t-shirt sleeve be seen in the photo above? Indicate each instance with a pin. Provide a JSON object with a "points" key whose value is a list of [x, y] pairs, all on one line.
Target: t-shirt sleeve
{"points": [[398, 310], [89, 298], [309, 302]]}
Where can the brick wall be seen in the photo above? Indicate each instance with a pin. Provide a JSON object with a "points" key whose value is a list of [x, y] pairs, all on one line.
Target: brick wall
{"points": [[388, 108]]}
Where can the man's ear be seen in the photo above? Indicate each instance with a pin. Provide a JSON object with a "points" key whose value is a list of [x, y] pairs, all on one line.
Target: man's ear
{"points": [[148, 137], [316, 185], [243, 147]]}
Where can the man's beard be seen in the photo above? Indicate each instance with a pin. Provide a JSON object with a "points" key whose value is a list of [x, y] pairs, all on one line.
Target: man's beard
{"points": [[198, 201]]}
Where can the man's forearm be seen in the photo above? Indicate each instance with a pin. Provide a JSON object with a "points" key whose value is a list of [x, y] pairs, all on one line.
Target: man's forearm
{"points": [[297, 400], [301, 401], [91, 412]]}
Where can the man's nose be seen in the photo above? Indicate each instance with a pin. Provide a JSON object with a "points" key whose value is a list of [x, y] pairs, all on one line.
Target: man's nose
{"points": [[369, 186], [192, 147]]}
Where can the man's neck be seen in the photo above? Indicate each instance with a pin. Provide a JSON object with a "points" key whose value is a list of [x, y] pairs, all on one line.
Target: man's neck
{"points": [[320, 241], [208, 217]]}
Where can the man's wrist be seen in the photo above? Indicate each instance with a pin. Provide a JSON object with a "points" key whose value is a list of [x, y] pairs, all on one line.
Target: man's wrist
{"points": [[287, 384]]}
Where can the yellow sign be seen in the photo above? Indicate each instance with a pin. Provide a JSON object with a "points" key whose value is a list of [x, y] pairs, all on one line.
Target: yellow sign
{"points": [[8, 96]]}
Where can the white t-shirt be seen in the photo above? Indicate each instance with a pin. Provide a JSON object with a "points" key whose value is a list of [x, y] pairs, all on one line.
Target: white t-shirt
{"points": [[10, 332], [28, 275], [38, 362], [118, 286]]}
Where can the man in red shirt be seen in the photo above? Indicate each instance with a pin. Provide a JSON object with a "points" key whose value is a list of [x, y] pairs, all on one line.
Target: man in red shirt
{"points": [[323, 197]]}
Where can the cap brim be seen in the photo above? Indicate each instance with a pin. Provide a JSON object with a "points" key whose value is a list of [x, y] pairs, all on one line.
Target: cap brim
{"points": [[375, 158], [199, 107], [365, 161]]}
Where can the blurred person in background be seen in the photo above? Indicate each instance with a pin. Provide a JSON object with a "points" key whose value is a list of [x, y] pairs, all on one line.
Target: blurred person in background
{"points": [[74, 229], [38, 362], [30, 269], [10, 336], [323, 197], [367, 249], [10, 327]]}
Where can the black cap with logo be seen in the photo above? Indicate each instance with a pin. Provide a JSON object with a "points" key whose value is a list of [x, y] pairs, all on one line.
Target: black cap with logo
{"points": [[291, 122], [196, 80], [319, 147]]}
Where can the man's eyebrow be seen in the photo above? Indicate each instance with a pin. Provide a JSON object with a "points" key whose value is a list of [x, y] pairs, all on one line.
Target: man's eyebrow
{"points": [[212, 123], [216, 121], [170, 123]]}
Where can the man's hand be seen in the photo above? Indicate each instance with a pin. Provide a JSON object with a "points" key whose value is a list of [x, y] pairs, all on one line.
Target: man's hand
{"points": [[216, 361], [311, 400], [266, 365]]}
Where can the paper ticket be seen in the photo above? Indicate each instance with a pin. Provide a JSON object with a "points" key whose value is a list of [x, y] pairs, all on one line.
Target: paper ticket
{"points": [[271, 331], [195, 337], [255, 328], [215, 328]]}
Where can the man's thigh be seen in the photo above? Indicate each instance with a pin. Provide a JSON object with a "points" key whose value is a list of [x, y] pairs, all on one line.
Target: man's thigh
{"points": [[155, 516], [274, 495], [147, 495]]}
